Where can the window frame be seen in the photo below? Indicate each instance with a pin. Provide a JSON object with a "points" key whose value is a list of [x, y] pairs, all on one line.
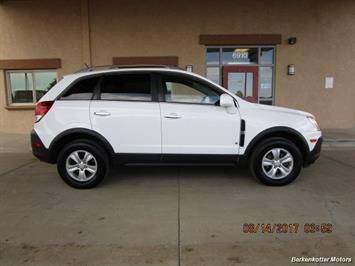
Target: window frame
{"points": [[187, 77], [9, 89]]}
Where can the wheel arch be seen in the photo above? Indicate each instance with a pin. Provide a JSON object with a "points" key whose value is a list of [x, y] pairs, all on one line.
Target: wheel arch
{"points": [[283, 132], [79, 133]]}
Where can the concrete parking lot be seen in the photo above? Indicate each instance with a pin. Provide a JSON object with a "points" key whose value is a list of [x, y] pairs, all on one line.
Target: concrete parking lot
{"points": [[172, 215]]}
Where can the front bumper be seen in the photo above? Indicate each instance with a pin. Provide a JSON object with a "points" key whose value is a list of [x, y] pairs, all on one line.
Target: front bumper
{"points": [[315, 153], [39, 150]]}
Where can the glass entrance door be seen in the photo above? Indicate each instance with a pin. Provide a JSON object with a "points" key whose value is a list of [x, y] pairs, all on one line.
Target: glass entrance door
{"points": [[242, 81]]}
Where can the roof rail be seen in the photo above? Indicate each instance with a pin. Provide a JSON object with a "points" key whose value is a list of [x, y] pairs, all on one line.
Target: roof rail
{"points": [[107, 67]]}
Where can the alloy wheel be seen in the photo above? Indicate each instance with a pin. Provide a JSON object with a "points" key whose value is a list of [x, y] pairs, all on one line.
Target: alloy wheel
{"points": [[277, 163], [81, 165]]}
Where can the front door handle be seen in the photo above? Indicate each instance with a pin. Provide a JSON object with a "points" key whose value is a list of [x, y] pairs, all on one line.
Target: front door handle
{"points": [[102, 113], [172, 116]]}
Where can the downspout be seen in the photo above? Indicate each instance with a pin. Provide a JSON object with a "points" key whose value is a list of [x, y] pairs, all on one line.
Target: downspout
{"points": [[86, 33]]}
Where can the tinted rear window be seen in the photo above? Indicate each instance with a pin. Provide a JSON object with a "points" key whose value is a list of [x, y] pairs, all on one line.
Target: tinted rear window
{"points": [[126, 87], [82, 90]]}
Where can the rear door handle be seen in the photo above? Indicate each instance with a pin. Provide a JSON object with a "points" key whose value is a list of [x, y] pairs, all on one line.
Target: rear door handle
{"points": [[172, 116], [102, 113]]}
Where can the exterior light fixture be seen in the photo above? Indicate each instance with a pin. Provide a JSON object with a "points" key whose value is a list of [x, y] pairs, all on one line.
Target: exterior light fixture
{"points": [[292, 40], [291, 70], [189, 68]]}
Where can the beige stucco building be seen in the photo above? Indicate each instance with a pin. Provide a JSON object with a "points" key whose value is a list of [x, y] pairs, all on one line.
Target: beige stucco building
{"points": [[213, 37]]}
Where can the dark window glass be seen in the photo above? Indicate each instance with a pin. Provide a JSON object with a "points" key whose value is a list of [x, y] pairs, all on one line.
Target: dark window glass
{"points": [[126, 87], [183, 90], [265, 102], [82, 90]]}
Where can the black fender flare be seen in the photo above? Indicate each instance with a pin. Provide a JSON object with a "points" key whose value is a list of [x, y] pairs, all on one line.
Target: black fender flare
{"points": [[274, 131], [82, 131]]}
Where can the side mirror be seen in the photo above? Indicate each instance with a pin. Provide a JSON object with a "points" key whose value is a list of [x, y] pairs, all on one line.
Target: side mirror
{"points": [[226, 100]]}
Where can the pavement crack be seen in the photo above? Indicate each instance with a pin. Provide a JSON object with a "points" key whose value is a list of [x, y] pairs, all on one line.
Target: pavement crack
{"points": [[330, 211], [337, 161], [178, 214], [17, 168]]}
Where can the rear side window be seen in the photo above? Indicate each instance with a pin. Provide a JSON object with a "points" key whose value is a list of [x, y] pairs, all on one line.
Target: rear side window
{"points": [[82, 90], [126, 87]]}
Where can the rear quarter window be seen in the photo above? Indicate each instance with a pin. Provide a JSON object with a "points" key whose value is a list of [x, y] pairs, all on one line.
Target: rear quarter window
{"points": [[81, 90]]}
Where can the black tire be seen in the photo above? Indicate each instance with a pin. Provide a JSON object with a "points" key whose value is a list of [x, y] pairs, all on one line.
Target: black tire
{"points": [[263, 148], [100, 160]]}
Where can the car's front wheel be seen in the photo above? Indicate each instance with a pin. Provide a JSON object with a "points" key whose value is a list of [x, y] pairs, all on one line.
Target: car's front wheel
{"points": [[276, 161], [82, 164]]}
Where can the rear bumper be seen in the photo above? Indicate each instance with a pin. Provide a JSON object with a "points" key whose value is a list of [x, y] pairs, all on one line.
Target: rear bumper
{"points": [[39, 150], [314, 154]]}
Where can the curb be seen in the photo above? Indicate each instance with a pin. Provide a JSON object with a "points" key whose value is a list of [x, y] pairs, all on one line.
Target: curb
{"points": [[338, 143], [4, 149]]}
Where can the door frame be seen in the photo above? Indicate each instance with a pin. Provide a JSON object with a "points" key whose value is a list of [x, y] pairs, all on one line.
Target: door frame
{"points": [[244, 69]]}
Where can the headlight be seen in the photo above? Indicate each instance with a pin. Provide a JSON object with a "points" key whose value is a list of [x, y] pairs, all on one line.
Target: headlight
{"points": [[314, 122]]}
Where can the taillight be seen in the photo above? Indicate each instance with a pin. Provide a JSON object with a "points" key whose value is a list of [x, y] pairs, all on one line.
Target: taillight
{"points": [[42, 108]]}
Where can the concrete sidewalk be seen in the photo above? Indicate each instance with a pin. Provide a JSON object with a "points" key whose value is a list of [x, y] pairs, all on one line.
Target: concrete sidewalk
{"points": [[11, 142], [333, 139], [339, 138]]}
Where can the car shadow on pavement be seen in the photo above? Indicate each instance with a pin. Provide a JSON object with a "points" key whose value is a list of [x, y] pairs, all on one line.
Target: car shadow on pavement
{"points": [[129, 174]]}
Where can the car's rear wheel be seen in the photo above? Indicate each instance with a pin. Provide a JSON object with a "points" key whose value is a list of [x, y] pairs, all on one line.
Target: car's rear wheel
{"points": [[276, 161], [82, 164]]}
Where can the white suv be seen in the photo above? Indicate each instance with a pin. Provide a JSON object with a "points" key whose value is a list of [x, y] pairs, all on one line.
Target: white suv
{"points": [[158, 114]]}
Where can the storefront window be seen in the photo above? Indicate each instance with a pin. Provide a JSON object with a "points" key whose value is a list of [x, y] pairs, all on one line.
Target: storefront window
{"points": [[242, 56], [213, 74], [266, 56], [237, 62], [266, 81], [212, 56], [29, 86]]}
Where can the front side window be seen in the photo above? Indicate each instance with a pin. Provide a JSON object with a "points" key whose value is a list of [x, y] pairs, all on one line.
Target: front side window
{"points": [[81, 90], [126, 87], [182, 90], [29, 86]]}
